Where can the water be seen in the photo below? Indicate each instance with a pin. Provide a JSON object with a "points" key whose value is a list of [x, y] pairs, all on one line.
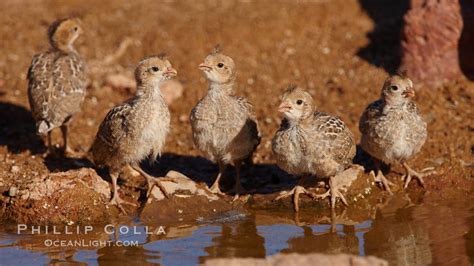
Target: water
{"points": [[402, 232]]}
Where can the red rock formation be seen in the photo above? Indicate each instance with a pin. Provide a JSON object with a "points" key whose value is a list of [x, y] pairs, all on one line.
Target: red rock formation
{"points": [[430, 41]]}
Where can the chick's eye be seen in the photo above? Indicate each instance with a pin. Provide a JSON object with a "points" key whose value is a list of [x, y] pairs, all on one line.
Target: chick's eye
{"points": [[220, 65], [75, 28], [155, 69], [394, 88], [299, 102]]}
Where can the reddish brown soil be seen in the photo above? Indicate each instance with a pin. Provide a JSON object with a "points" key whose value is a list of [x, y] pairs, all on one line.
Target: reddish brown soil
{"points": [[313, 44]]}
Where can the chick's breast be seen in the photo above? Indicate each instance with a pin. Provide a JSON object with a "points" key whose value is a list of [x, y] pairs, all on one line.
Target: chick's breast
{"points": [[225, 130]]}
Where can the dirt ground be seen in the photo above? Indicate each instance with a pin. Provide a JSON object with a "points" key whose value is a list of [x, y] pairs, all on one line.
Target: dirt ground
{"points": [[315, 44]]}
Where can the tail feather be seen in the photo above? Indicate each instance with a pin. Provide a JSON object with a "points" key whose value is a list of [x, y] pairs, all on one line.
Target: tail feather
{"points": [[43, 127]]}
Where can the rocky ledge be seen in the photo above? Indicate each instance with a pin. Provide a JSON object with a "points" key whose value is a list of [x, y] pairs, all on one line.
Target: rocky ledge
{"points": [[81, 196]]}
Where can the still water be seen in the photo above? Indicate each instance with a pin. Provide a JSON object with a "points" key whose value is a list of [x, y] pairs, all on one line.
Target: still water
{"points": [[400, 231]]}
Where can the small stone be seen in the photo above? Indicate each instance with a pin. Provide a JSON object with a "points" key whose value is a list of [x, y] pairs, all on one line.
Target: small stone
{"points": [[13, 191], [14, 169], [438, 161], [94, 100], [325, 50], [290, 51], [183, 118]]}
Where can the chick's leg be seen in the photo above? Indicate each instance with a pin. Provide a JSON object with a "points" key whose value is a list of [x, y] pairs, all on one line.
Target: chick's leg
{"points": [[116, 200], [215, 186], [50, 143], [238, 185], [295, 192], [66, 150], [410, 173], [335, 192], [64, 133], [380, 176], [153, 181]]}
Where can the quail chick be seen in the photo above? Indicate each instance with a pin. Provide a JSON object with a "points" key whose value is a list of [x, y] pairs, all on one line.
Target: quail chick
{"points": [[309, 142], [224, 126], [137, 128], [393, 130], [57, 80]]}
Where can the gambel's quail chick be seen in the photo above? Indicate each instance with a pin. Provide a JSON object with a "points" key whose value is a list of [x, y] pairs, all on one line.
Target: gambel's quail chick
{"points": [[393, 130], [137, 128], [311, 143], [57, 80], [224, 125]]}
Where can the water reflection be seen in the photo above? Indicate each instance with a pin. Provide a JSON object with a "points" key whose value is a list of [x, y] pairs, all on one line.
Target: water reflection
{"points": [[324, 242], [396, 236], [240, 239], [401, 232]]}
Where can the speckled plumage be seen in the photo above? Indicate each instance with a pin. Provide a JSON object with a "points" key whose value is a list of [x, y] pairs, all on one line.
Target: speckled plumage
{"points": [[57, 80], [137, 128], [392, 128], [224, 126], [132, 131], [392, 133], [309, 142]]}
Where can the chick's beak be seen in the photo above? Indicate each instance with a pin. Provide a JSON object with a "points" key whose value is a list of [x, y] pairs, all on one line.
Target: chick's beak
{"points": [[171, 72], [284, 107], [204, 67], [410, 92]]}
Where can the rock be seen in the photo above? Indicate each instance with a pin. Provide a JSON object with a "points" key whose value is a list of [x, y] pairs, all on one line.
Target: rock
{"points": [[12, 191], [120, 81], [358, 188], [14, 169], [430, 41], [172, 90], [78, 196], [298, 259], [188, 201], [183, 118], [184, 185]]}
